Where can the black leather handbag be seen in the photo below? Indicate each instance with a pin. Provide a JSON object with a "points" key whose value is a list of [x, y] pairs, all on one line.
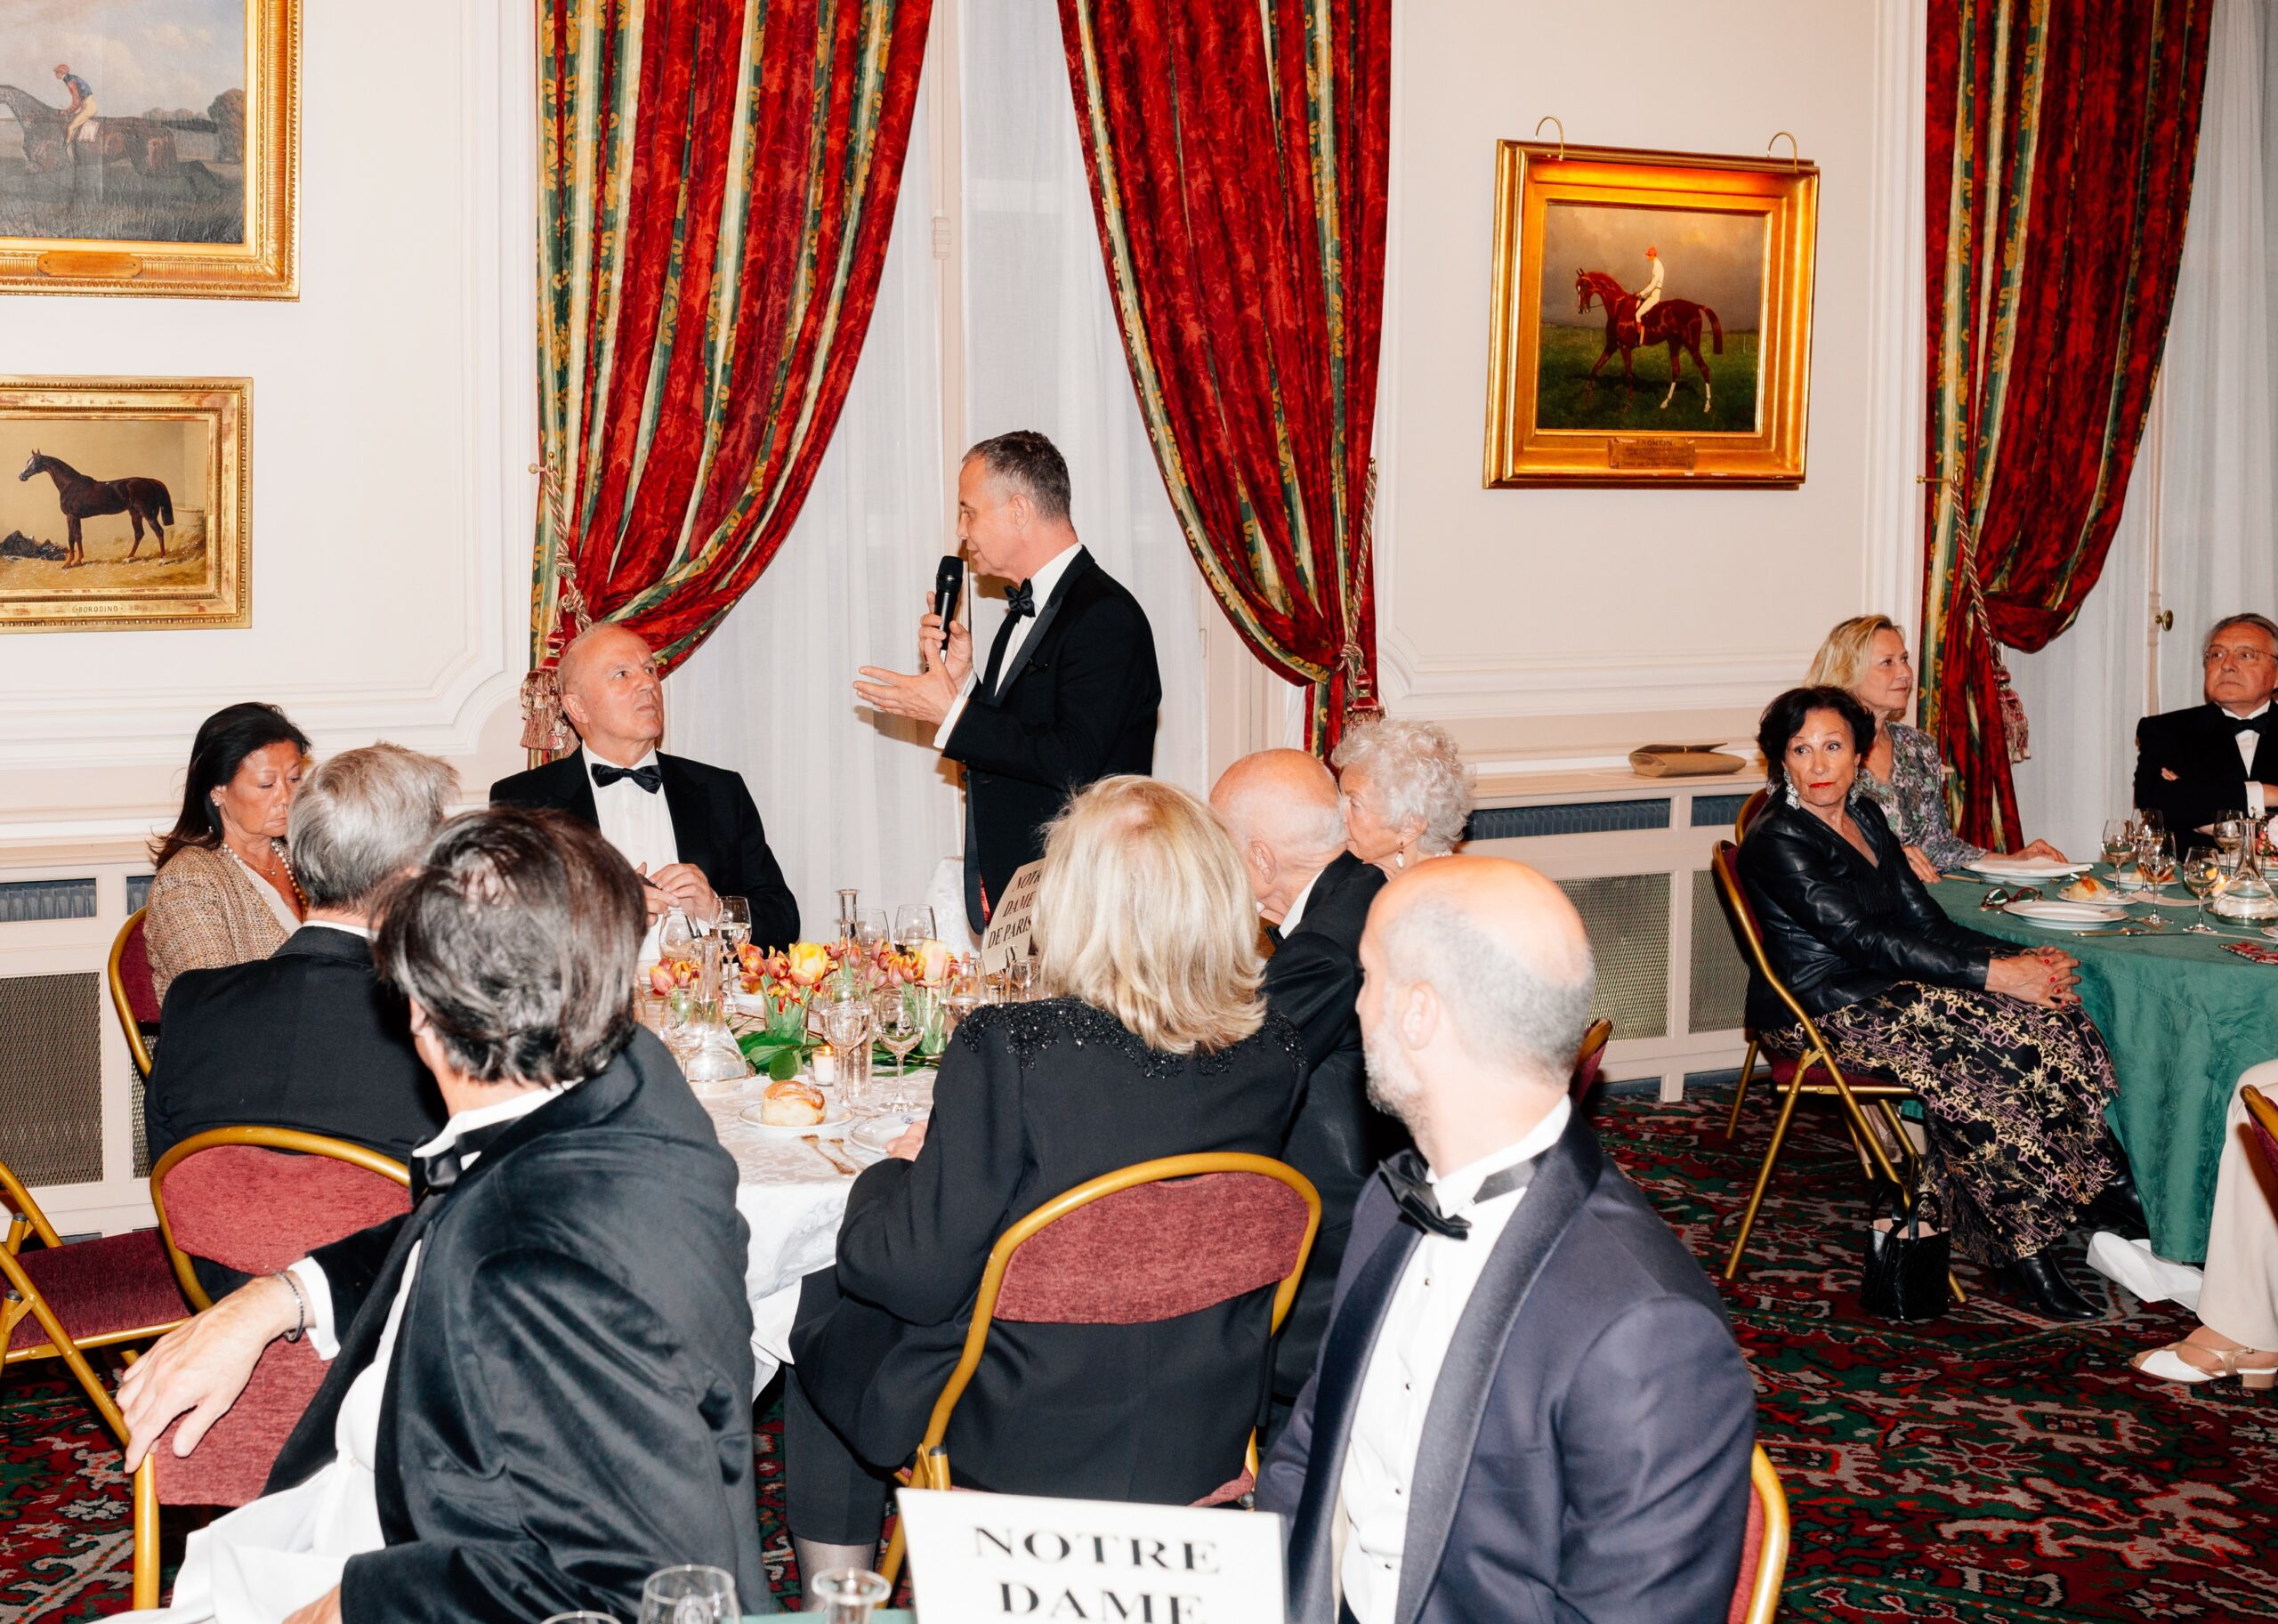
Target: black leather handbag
{"points": [[1905, 1276]]}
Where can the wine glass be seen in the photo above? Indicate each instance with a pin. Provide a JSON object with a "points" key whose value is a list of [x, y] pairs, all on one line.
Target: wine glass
{"points": [[689, 1595], [870, 930], [2155, 861], [846, 1027], [2203, 871], [735, 923], [913, 924], [2118, 841], [903, 1014], [676, 937], [1020, 980], [849, 1595]]}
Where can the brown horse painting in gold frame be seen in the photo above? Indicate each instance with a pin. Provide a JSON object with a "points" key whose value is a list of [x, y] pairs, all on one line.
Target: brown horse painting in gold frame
{"points": [[1630, 416]]}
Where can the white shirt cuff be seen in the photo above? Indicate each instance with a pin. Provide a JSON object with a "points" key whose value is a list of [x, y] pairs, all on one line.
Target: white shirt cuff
{"points": [[317, 1289], [949, 722], [2254, 798]]}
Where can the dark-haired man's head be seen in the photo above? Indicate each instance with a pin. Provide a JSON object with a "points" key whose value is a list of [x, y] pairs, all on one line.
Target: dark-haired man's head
{"points": [[515, 940], [1012, 504]]}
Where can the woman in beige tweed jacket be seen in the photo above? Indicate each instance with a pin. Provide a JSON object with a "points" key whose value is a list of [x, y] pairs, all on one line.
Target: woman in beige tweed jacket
{"points": [[225, 892]]}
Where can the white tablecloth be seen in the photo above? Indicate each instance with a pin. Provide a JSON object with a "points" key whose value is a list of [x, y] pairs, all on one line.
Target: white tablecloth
{"points": [[792, 1198]]}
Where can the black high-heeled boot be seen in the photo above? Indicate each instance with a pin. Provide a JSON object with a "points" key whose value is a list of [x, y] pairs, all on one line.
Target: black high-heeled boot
{"points": [[2040, 1287], [2119, 1207]]}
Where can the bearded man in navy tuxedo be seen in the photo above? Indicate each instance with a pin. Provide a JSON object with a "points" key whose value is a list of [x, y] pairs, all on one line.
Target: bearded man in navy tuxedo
{"points": [[1529, 1404]]}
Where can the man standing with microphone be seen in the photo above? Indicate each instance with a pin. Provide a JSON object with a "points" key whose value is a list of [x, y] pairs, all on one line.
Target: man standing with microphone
{"points": [[1069, 690]]}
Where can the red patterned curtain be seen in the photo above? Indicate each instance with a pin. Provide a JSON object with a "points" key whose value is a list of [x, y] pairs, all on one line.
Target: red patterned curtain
{"points": [[1236, 155], [716, 185], [2061, 137]]}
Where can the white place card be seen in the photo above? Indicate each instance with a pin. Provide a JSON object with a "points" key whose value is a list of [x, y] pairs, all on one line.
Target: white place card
{"points": [[1008, 923], [987, 1558]]}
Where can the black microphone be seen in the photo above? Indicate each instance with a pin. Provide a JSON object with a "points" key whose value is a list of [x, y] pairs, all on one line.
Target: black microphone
{"points": [[948, 581]]}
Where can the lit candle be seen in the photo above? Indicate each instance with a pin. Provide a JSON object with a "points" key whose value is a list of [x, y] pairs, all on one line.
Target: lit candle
{"points": [[826, 1064]]}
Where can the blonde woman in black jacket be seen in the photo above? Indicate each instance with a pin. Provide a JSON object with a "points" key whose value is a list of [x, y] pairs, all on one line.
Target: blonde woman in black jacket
{"points": [[2012, 1075]]}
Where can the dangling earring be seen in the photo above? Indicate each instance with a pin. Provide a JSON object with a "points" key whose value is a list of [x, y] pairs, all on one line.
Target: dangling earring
{"points": [[1793, 798], [1399, 858]]}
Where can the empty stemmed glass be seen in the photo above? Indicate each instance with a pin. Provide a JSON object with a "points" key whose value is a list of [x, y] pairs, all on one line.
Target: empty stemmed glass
{"points": [[913, 926], [846, 1013], [2155, 861], [849, 1595], [735, 923], [690, 1594], [2118, 843], [903, 1014], [2206, 872]]}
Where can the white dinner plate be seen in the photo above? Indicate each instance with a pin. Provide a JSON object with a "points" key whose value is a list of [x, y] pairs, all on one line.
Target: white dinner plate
{"points": [[878, 1132], [832, 1127], [2067, 916], [2025, 868]]}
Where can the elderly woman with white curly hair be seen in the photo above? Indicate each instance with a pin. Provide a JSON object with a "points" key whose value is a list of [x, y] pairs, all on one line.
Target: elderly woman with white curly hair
{"points": [[1407, 792]]}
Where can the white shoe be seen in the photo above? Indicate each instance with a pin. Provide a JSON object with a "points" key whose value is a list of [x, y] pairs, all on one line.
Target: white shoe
{"points": [[2170, 1365], [2134, 1265]]}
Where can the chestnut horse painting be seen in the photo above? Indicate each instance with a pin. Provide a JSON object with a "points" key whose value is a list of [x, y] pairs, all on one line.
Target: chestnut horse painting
{"points": [[1675, 322], [142, 500]]}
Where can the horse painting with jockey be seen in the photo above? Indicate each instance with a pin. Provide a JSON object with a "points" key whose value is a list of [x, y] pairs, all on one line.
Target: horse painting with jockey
{"points": [[1642, 319]]}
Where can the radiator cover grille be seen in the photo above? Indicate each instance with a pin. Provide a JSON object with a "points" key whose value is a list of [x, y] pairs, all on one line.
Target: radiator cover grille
{"points": [[51, 1078], [1627, 917], [1719, 975]]}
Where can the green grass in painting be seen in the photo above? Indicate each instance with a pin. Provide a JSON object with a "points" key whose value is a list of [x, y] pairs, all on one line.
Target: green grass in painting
{"points": [[1565, 398]]}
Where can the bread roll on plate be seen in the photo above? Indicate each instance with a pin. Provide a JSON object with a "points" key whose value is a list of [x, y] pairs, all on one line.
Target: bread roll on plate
{"points": [[791, 1103]]}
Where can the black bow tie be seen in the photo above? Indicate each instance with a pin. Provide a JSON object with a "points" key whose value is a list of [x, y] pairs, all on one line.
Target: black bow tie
{"points": [[1020, 601], [2252, 725], [434, 1175], [1408, 1179], [650, 778]]}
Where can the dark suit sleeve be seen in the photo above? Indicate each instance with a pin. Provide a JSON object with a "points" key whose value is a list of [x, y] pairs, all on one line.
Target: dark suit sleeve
{"points": [[607, 1455], [1282, 1474], [1656, 1474], [1314, 986], [753, 872], [1105, 657], [2209, 779], [916, 1233], [351, 1265]]}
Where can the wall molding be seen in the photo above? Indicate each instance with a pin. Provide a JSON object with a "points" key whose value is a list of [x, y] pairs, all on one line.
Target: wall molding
{"points": [[1895, 361]]}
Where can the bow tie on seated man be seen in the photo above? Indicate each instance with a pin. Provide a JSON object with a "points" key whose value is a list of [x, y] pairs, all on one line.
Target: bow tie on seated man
{"points": [[1528, 1402], [539, 1382], [690, 830]]}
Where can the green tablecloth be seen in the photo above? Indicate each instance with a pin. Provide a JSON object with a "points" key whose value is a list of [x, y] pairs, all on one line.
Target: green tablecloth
{"points": [[2182, 1018]]}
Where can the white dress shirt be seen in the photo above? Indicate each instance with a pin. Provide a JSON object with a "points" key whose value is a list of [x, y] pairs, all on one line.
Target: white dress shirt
{"points": [[1404, 1367], [1042, 585], [1297, 910], [2249, 742], [277, 1554], [635, 821]]}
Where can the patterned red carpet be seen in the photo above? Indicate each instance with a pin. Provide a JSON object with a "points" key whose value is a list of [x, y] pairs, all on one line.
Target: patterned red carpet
{"points": [[1985, 1469]]}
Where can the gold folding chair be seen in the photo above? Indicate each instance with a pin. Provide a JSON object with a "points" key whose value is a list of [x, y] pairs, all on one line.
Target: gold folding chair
{"points": [[1795, 1074], [131, 994], [1258, 1203], [1588, 1060], [1764, 1555]]}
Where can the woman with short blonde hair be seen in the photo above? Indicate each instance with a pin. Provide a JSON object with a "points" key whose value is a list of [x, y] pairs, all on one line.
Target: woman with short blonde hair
{"points": [[1901, 772], [1152, 1041], [1143, 911], [1407, 792]]}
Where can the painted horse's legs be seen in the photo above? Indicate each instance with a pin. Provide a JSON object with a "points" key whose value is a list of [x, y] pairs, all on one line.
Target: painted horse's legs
{"points": [[135, 518], [72, 553], [1676, 365]]}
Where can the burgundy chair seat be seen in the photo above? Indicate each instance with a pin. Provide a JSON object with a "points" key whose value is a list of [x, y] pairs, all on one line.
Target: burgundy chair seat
{"points": [[100, 1288], [1751, 1559], [134, 975], [230, 1463], [1783, 1069], [1156, 1251], [256, 1210]]}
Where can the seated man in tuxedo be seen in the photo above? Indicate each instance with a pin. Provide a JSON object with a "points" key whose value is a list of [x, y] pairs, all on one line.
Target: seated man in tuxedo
{"points": [[1070, 690], [1288, 821], [2193, 765], [541, 1376], [690, 830], [308, 1038], [1529, 1404]]}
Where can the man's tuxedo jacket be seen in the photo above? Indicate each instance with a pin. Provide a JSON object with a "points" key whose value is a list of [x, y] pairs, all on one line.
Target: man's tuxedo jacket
{"points": [[716, 825], [1076, 704], [2199, 746], [306, 1038], [1314, 982], [1586, 1450], [569, 1405]]}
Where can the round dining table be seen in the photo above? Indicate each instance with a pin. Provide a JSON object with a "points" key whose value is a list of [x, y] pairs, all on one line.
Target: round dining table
{"points": [[2183, 1015], [792, 1193]]}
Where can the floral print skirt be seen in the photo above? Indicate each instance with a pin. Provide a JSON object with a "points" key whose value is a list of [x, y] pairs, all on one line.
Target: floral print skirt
{"points": [[2012, 1096]]}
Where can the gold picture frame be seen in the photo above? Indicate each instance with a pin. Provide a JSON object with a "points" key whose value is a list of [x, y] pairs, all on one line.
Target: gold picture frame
{"points": [[188, 202], [159, 473], [1646, 410]]}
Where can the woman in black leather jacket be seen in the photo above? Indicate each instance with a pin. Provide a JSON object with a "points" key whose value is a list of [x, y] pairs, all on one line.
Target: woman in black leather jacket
{"points": [[2012, 1075]]}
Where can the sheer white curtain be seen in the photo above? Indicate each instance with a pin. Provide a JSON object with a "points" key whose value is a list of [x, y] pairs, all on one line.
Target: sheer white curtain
{"points": [[849, 797], [2205, 476], [1043, 351]]}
